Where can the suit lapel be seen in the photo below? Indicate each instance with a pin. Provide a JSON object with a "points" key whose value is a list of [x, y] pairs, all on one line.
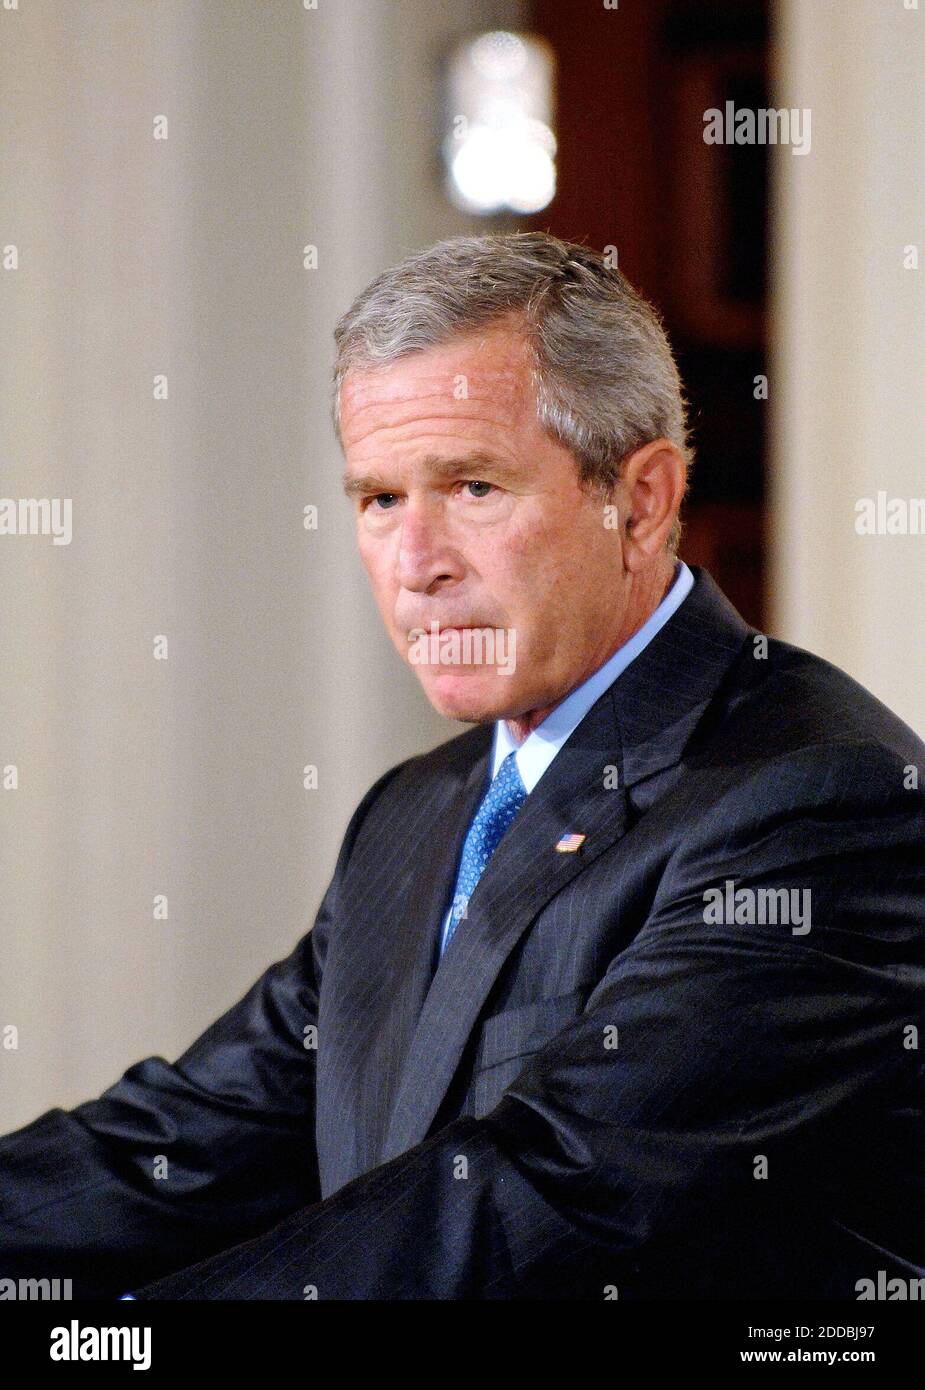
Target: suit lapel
{"points": [[414, 941], [638, 727]]}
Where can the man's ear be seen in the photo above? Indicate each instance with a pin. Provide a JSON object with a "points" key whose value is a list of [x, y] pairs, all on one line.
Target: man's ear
{"points": [[653, 478]]}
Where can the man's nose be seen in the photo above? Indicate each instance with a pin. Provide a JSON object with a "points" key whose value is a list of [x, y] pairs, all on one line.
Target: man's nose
{"points": [[425, 557]]}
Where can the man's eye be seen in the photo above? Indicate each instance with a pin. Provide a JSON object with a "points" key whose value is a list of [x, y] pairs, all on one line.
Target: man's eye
{"points": [[475, 483], [378, 498]]}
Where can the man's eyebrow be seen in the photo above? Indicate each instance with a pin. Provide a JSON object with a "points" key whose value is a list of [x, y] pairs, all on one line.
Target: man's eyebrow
{"points": [[366, 483], [442, 468]]}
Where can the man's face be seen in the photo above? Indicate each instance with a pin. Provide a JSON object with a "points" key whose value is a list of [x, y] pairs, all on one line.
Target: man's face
{"points": [[469, 516]]}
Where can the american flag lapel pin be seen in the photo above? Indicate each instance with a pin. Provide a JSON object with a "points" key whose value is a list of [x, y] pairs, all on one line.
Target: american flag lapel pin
{"points": [[569, 843]]}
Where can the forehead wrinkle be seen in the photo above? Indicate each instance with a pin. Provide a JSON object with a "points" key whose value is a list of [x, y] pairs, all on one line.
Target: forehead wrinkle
{"points": [[429, 442], [419, 391], [369, 394], [414, 378], [413, 423]]}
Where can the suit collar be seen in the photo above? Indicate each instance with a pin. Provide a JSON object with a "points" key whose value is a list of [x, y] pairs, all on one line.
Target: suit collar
{"points": [[539, 749], [659, 699]]}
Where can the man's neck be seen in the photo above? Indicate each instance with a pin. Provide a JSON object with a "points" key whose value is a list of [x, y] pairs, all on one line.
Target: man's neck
{"points": [[636, 615]]}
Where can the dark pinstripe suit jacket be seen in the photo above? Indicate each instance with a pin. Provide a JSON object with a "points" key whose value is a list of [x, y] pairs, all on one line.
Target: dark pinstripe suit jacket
{"points": [[602, 1087]]}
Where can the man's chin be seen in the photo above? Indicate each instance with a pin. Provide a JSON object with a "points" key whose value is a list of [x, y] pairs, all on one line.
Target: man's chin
{"points": [[471, 699]]}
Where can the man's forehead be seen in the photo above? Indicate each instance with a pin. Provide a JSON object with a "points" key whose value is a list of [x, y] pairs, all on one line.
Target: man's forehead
{"points": [[491, 368]]}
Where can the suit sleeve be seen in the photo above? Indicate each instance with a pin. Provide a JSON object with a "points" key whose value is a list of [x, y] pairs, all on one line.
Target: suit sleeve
{"points": [[179, 1159], [717, 1070]]}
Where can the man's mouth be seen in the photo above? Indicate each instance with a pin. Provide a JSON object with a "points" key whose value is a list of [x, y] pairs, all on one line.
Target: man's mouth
{"points": [[434, 626]]}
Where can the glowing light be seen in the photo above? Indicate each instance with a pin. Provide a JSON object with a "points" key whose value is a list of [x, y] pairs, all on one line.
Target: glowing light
{"points": [[500, 147]]}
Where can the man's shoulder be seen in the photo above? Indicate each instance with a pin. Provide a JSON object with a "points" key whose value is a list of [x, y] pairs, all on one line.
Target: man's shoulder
{"points": [[409, 790], [792, 729], [411, 776], [788, 697], [798, 769], [455, 755]]}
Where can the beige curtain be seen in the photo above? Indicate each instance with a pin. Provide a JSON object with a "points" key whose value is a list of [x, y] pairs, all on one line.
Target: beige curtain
{"points": [[846, 389], [146, 262]]}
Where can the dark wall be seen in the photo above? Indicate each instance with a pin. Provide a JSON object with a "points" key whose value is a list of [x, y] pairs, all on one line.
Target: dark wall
{"points": [[689, 223]]}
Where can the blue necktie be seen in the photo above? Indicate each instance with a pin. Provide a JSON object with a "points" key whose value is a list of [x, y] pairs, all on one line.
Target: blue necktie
{"points": [[499, 806]]}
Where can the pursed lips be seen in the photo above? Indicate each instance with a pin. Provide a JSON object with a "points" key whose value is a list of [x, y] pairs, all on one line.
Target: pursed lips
{"points": [[433, 631]]}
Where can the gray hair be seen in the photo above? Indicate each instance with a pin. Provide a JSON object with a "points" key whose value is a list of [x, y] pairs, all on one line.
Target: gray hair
{"points": [[605, 377]]}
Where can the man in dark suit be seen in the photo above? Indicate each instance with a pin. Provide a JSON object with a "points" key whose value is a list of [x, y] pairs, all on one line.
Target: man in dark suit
{"points": [[617, 994]]}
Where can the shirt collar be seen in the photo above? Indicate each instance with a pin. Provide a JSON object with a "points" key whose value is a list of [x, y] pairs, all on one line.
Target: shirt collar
{"points": [[540, 746]]}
